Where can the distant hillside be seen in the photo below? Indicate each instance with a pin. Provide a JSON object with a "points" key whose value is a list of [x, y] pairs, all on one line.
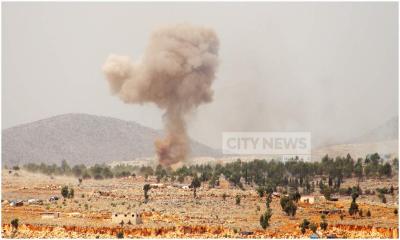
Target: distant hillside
{"points": [[387, 131], [82, 138], [382, 139], [387, 149]]}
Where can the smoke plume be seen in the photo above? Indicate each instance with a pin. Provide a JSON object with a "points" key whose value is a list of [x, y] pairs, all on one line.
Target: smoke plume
{"points": [[175, 72]]}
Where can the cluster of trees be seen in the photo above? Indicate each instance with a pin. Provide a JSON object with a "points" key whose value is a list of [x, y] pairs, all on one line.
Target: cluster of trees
{"points": [[98, 171], [306, 224], [292, 174], [67, 192], [288, 203]]}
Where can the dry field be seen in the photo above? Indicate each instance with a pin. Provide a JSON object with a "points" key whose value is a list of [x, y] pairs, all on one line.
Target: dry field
{"points": [[173, 212]]}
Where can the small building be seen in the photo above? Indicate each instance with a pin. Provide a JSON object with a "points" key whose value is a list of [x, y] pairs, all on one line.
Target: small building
{"points": [[181, 185], [48, 215], [307, 199], [126, 218], [35, 202], [16, 203]]}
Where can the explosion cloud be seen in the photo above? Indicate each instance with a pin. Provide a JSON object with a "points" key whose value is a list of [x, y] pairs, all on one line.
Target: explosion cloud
{"points": [[176, 73]]}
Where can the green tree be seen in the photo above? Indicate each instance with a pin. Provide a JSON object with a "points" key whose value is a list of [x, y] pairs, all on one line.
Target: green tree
{"points": [[268, 200], [146, 189], [71, 193], [323, 224], [195, 184], [353, 208], [385, 170], [64, 191], [290, 208], [65, 168], [260, 191], [15, 224], [358, 169], [295, 196], [264, 218], [326, 191], [304, 225]]}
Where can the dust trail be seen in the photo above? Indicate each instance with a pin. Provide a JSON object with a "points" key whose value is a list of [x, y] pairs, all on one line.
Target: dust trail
{"points": [[176, 73]]}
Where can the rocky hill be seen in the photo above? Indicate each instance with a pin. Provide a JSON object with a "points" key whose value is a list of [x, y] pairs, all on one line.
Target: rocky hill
{"points": [[82, 138]]}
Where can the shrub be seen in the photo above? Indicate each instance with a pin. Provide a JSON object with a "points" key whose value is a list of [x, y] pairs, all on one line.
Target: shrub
{"points": [[146, 189], [353, 208], [304, 225], [323, 224], [313, 227], [120, 234], [224, 196], [237, 199], [71, 193], [260, 191], [264, 219], [64, 191], [290, 208], [15, 224], [395, 211]]}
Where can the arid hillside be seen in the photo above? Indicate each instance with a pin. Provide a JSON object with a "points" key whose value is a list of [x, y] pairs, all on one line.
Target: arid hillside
{"points": [[172, 211], [82, 138]]}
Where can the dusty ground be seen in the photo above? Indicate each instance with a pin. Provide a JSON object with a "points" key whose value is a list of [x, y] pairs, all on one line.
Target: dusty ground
{"points": [[173, 212]]}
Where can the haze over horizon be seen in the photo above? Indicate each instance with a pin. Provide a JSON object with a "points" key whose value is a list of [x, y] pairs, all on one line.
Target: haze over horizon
{"points": [[284, 66]]}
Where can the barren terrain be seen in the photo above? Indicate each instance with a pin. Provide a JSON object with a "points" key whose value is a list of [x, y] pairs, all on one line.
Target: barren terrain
{"points": [[173, 212]]}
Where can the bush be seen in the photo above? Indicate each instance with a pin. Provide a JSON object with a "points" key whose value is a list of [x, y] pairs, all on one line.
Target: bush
{"points": [[395, 211], [323, 224], [71, 193], [64, 191], [264, 219], [120, 234], [353, 208], [224, 196], [260, 191], [290, 208], [237, 200], [313, 227], [368, 213], [304, 225], [15, 224]]}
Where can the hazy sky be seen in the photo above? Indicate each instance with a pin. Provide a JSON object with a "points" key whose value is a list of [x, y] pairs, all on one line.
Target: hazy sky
{"points": [[328, 68]]}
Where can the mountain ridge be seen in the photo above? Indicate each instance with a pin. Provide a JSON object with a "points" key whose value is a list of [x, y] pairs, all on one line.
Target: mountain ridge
{"points": [[83, 138]]}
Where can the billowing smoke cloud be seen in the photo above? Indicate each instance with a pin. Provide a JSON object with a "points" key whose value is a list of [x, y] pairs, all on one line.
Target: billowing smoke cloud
{"points": [[176, 73]]}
